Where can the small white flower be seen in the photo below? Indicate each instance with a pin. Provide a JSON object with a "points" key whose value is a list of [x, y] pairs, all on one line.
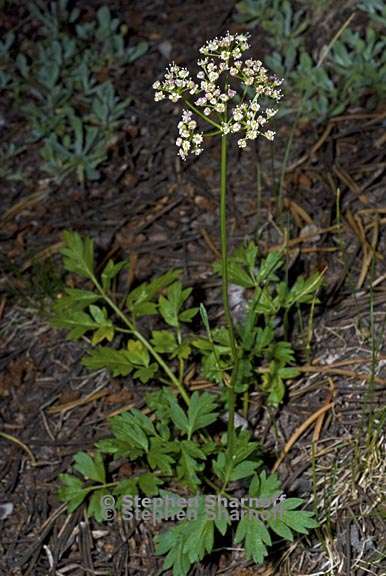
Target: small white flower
{"points": [[197, 139], [269, 134], [242, 143], [207, 111]]}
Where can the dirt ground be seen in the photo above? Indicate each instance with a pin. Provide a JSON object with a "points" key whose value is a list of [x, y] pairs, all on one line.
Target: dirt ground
{"points": [[159, 212]]}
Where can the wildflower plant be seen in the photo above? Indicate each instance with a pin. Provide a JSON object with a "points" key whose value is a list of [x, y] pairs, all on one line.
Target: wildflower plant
{"points": [[182, 447]]}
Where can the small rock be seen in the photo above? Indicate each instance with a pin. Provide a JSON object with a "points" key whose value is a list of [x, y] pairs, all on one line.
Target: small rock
{"points": [[165, 49], [6, 510], [310, 230]]}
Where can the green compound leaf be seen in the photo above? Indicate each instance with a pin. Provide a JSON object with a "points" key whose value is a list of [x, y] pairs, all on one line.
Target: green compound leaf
{"points": [[126, 487], [164, 341], [201, 412], [133, 429], [304, 289], [268, 267], [264, 486], [171, 304], [159, 455], [277, 514], [117, 361], [149, 484], [255, 536], [110, 272], [90, 468], [188, 465], [146, 373], [140, 300], [178, 415], [95, 507], [284, 520], [76, 321], [137, 353], [243, 470], [188, 314], [74, 299], [187, 542], [106, 327], [78, 254], [72, 491]]}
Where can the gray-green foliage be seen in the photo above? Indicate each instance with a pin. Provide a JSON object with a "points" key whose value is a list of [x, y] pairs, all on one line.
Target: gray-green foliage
{"points": [[320, 87], [57, 84], [182, 448]]}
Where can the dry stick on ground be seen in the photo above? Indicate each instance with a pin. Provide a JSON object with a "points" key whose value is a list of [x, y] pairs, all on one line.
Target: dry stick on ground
{"points": [[320, 420], [368, 254], [66, 406], [299, 431], [209, 242], [297, 212], [340, 372], [24, 203], [21, 444]]}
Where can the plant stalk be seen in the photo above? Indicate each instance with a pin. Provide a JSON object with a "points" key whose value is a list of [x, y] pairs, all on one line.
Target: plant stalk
{"points": [[145, 342], [225, 292]]}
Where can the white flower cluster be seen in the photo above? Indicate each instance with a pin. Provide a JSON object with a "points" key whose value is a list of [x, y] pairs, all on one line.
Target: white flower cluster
{"points": [[214, 97], [250, 119], [176, 82], [188, 140], [226, 47]]}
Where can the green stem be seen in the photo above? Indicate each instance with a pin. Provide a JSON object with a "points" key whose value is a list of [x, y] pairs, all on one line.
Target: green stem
{"points": [[201, 115], [225, 292], [143, 340], [181, 362]]}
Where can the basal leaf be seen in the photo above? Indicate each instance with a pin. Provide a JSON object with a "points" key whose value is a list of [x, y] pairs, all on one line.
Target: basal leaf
{"points": [[90, 468], [125, 427], [264, 486], [201, 411], [76, 321], [117, 361], [110, 271], [244, 469], [255, 536], [95, 507], [137, 353], [78, 254], [149, 484], [164, 341], [178, 415], [72, 491]]}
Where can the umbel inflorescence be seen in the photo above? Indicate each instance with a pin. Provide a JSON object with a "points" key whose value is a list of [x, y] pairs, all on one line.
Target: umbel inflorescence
{"points": [[228, 94]]}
